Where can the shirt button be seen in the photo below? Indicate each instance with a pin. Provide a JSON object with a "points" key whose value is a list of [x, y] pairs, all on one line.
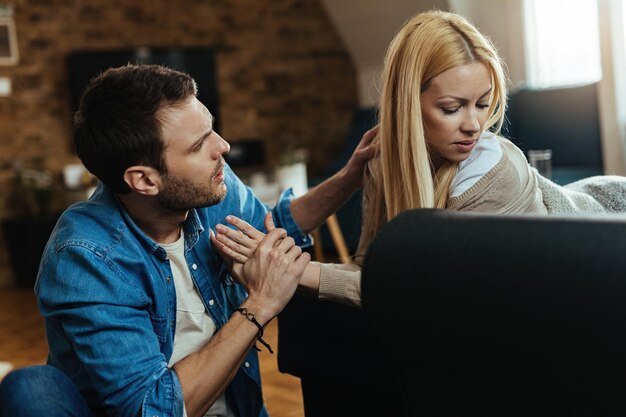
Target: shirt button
{"points": [[169, 279], [211, 302], [247, 364], [172, 323], [194, 267]]}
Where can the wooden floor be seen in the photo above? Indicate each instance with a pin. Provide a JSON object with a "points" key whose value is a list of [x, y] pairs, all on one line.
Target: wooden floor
{"points": [[23, 343]]}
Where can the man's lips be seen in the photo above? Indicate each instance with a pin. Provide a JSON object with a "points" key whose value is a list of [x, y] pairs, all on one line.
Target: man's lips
{"points": [[219, 173]]}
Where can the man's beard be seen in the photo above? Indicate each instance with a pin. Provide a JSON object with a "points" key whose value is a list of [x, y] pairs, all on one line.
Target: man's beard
{"points": [[179, 194]]}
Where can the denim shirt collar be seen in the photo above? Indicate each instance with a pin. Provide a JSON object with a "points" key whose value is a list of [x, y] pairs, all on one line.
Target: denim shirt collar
{"points": [[192, 225]]}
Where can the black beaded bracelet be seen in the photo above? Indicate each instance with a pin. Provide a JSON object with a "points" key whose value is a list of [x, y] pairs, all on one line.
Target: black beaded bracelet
{"points": [[253, 319]]}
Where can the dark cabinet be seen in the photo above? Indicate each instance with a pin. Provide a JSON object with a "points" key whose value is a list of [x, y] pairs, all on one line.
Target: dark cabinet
{"points": [[26, 238]]}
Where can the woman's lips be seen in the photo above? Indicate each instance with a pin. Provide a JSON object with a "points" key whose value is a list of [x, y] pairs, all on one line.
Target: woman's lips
{"points": [[465, 146]]}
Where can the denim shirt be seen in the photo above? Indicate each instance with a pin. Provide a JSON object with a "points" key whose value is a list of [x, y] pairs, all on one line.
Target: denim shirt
{"points": [[106, 292]]}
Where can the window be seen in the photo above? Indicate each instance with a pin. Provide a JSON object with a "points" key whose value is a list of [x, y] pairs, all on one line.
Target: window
{"points": [[8, 43], [623, 27], [562, 42]]}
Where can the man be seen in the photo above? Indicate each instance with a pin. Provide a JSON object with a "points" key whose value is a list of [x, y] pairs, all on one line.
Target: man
{"points": [[140, 311]]}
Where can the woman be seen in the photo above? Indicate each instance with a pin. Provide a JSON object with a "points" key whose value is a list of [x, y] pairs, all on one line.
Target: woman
{"points": [[442, 105]]}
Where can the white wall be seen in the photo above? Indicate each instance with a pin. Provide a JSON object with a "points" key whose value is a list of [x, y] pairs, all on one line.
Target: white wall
{"points": [[612, 87], [367, 27], [502, 21]]}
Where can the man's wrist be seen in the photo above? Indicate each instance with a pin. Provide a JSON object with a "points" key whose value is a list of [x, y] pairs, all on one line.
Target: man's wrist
{"points": [[251, 317], [261, 311], [351, 177]]}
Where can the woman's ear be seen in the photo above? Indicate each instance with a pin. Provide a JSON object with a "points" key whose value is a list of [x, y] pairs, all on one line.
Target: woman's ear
{"points": [[143, 179]]}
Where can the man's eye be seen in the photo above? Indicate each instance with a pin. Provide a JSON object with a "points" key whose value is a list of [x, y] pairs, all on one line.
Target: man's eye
{"points": [[199, 146]]}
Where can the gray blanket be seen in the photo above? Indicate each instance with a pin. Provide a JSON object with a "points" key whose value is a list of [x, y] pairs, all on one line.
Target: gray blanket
{"points": [[601, 194]]}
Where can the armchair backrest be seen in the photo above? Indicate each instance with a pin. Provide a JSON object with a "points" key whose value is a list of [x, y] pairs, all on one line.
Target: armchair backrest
{"points": [[564, 120], [498, 315]]}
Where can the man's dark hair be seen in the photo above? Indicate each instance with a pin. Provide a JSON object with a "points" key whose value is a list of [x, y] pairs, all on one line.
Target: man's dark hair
{"points": [[116, 125]]}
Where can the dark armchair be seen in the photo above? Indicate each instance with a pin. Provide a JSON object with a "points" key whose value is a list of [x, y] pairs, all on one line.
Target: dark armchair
{"points": [[472, 315], [564, 120]]}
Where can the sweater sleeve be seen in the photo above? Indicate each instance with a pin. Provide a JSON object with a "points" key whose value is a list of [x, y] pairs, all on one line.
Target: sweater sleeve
{"points": [[342, 282]]}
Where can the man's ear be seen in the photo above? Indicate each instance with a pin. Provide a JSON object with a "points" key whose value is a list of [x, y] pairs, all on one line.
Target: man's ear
{"points": [[143, 179]]}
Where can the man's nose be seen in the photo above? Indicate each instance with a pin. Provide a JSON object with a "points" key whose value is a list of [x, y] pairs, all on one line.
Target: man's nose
{"points": [[222, 147]]}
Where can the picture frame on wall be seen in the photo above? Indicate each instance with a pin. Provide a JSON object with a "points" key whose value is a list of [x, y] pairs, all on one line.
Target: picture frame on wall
{"points": [[8, 41]]}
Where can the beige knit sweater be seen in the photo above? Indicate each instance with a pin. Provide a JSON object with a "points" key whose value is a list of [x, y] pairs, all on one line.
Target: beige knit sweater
{"points": [[509, 187]]}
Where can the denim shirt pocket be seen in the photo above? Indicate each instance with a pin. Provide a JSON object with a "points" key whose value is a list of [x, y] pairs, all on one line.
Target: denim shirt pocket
{"points": [[161, 328], [235, 293]]}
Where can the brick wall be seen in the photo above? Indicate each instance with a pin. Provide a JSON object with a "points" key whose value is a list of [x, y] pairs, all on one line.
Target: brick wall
{"points": [[283, 74]]}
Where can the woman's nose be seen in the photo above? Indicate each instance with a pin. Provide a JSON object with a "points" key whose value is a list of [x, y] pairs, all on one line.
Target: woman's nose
{"points": [[471, 124]]}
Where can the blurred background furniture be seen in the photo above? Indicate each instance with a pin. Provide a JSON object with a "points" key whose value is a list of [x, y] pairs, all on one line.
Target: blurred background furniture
{"points": [[468, 314], [27, 237], [199, 62], [564, 120], [349, 216], [339, 236], [248, 159]]}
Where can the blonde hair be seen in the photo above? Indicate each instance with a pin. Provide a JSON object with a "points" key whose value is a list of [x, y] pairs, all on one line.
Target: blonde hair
{"points": [[427, 45]]}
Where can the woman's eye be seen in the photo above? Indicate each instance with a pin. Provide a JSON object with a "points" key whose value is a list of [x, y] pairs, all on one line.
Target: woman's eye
{"points": [[483, 106], [450, 110]]}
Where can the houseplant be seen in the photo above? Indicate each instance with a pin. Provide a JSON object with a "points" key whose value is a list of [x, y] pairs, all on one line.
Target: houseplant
{"points": [[32, 198], [291, 171]]}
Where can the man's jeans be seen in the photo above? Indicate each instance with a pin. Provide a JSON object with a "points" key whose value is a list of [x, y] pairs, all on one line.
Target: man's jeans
{"points": [[41, 390]]}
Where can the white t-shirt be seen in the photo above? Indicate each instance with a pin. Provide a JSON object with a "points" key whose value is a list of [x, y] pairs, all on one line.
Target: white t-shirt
{"points": [[194, 326], [481, 160]]}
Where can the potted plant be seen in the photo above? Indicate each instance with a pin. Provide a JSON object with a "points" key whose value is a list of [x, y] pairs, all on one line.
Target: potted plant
{"points": [[291, 170], [27, 234]]}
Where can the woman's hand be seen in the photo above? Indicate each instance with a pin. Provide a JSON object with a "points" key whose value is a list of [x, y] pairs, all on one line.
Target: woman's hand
{"points": [[239, 245], [236, 247]]}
